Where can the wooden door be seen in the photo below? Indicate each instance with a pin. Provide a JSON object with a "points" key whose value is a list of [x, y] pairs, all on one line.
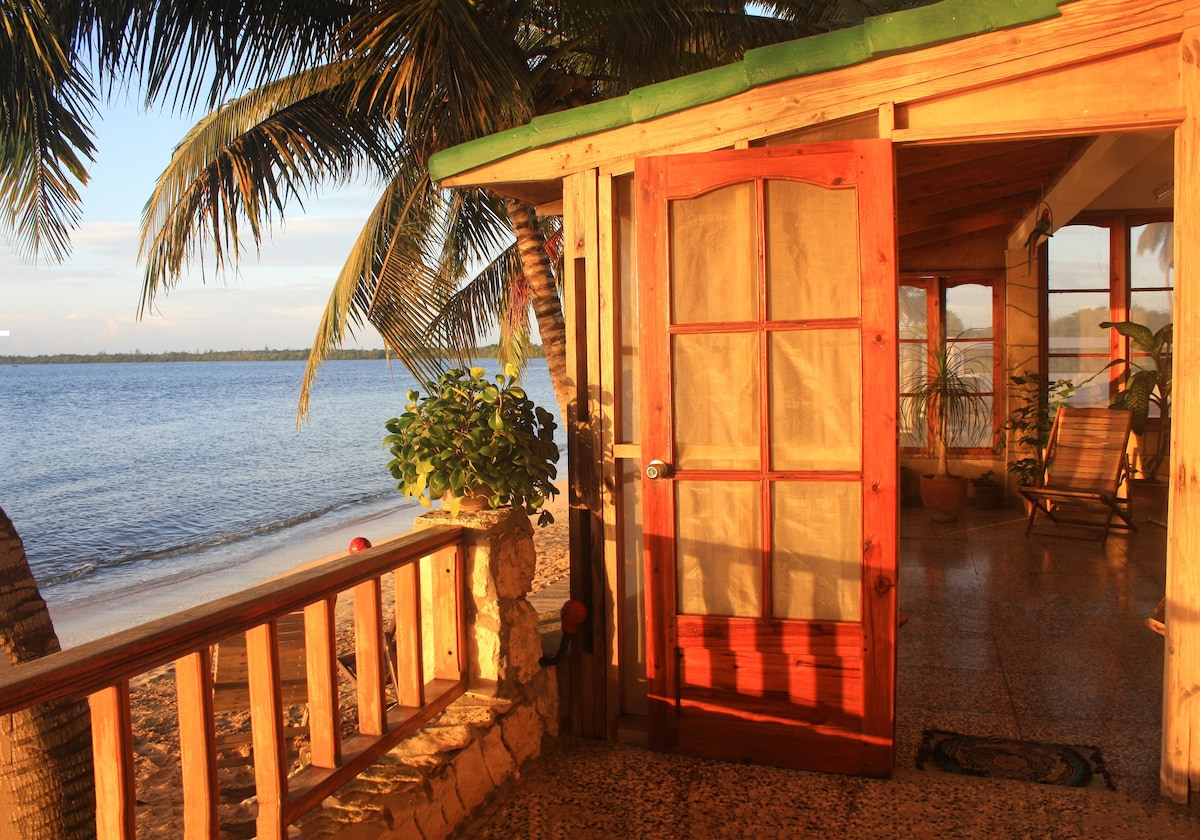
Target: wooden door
{"points": [[767, 295]]}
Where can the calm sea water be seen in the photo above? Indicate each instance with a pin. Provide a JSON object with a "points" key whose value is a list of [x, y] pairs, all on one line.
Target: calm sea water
{"points": [[116, 475]]}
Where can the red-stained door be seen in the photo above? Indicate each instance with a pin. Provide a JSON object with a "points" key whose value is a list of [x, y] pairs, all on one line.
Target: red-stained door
{"points": [[767, 294]]}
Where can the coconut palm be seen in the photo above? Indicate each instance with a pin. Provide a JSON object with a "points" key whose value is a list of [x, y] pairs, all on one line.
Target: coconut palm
{"points": [[336, 89], [405, 80]]}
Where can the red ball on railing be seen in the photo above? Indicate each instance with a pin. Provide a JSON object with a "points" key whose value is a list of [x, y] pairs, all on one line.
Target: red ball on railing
{"points": [[573, 613], [359, 544]]}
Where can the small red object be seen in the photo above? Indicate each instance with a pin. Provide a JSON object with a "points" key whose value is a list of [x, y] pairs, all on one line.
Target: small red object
{"points": [[359, 543], [573, 614]]}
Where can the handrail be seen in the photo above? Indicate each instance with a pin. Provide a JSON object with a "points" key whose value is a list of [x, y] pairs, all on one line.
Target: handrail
{"points": [[101, 670]]}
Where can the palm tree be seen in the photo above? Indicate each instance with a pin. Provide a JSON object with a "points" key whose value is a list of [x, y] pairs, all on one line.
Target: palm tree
{"points": [[401, 81], [46, 779], [336, 88]]}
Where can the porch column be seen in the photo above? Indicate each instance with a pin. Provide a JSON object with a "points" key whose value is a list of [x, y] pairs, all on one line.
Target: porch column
{"points": [[1181, 676]]}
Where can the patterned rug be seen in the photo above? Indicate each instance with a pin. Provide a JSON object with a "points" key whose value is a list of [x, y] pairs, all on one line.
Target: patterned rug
{"points": [[1024, 761]]}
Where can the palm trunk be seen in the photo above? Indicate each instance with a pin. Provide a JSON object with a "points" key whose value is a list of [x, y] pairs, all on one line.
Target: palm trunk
{"points": [[47, 786], [547, 306]]}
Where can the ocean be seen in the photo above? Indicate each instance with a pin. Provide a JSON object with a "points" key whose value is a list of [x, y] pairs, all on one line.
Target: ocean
{"points": [[123, 477]]}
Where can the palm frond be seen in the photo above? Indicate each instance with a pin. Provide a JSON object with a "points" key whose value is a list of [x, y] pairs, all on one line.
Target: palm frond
{"points": [[188, 52], [46, 102], [444, 65], [247, 160]]}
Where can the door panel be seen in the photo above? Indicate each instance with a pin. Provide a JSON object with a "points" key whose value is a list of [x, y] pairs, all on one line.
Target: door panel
{"points": [[767, 287]]}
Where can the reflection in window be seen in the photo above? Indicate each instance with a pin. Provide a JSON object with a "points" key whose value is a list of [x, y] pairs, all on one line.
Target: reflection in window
{"points": [[962, 310], [1088, 286]]}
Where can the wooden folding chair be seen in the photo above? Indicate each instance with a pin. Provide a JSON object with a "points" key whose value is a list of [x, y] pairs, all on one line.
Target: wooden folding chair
{"points": [[231, 674], [1085, 464]]}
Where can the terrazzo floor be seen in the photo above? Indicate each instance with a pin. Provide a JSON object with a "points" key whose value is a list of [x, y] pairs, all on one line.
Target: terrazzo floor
{"points": [[1037, 639]]}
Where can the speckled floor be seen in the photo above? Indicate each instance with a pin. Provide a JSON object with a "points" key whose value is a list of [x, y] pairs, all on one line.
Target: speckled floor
{"points": [[1038, 639]]}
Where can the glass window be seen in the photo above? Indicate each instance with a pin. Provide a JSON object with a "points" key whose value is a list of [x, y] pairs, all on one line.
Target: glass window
{"points": [[1090, 281], [963, 310]]}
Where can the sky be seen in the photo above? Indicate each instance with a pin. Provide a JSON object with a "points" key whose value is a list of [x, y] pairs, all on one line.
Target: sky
{"points": [[88, 303]]}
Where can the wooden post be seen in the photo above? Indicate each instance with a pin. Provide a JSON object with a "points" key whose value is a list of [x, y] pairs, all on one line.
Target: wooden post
{"points": [[112, 748], [197, 752], [1181, 670], [320, 643]]}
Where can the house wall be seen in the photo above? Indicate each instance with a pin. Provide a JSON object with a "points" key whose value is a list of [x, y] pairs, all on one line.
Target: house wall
{"points": [[1101, 69]]}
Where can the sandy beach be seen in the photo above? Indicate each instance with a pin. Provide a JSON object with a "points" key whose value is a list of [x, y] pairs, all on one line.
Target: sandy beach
{"points": [[156, 737]]}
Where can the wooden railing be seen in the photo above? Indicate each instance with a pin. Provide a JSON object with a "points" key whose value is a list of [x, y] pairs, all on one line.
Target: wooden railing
{"points": [[427, 570]]}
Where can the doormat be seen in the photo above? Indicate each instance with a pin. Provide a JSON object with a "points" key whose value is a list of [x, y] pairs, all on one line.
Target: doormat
{"points": [[1023, 761]]}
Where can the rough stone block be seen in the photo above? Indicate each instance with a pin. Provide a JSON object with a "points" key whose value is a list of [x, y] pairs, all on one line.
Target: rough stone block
{"points": [[524, 645], [499, 762], [443, 788], [474, 782], [522, 730]]}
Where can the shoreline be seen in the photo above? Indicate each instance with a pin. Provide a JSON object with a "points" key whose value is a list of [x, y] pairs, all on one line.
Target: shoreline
{"points": [[96, 614]]}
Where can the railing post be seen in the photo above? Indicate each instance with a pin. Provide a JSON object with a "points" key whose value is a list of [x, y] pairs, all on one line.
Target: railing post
{"points": [[112, 754], [197, 744], [324, 711], [266, 713], [368, 657], [410, 661]]}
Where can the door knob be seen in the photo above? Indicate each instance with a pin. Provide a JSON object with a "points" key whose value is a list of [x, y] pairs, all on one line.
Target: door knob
{"points": [[657, 469]]}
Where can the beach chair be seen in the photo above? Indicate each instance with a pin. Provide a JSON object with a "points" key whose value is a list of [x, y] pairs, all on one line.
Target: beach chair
{"points": [[1085, 464], [231, 677]]}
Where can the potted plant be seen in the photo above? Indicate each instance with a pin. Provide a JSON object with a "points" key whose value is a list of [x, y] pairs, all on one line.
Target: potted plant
{"points": [[1147, 383], [988, 493], [1028, 424], [476, 442], [943, 398]]}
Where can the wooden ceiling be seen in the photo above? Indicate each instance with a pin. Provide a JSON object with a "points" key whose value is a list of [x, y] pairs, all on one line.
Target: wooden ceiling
{"points": [[950, 193]]}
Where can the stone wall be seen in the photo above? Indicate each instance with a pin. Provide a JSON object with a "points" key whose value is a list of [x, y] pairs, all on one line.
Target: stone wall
{"points": [[431, 783]]}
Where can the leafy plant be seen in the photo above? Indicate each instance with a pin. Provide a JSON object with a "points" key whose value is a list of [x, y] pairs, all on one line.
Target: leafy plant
{"points": [[984, 480], [1029, 423], [469, 436], [943, 397], [1147, 385]]}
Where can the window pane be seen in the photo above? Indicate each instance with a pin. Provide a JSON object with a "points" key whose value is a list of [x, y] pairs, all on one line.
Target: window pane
{"points": [[717, 401], [914, 360], [914, 317], [812, 251], [1154, 309], [816, 400], [1088, 376], [817, 557], [1152, 255], [714, 260], [1079, 258], [1075, 323], [633, 589], [627, 337], [969, 311], [718, 554]]}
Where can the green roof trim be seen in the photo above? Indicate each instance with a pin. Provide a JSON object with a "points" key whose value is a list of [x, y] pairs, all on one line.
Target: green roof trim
{"points": [[898, 32]]}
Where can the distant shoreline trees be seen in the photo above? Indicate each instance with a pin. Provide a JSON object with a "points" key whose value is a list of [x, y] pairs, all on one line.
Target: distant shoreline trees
{"points": [[264, 355]]}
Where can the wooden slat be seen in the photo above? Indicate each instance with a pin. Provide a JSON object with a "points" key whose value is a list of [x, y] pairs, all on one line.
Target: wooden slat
{"points": [[749, 679], [197, 745], [112, 752], [324, 714], [831, 639], [1180, 769], [447, 582], [833, 749], [266, 710], [410, 658], [368, 657]]}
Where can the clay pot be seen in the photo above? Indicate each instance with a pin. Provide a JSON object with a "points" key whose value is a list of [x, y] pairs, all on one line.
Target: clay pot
{"points": [[944, 497]]}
